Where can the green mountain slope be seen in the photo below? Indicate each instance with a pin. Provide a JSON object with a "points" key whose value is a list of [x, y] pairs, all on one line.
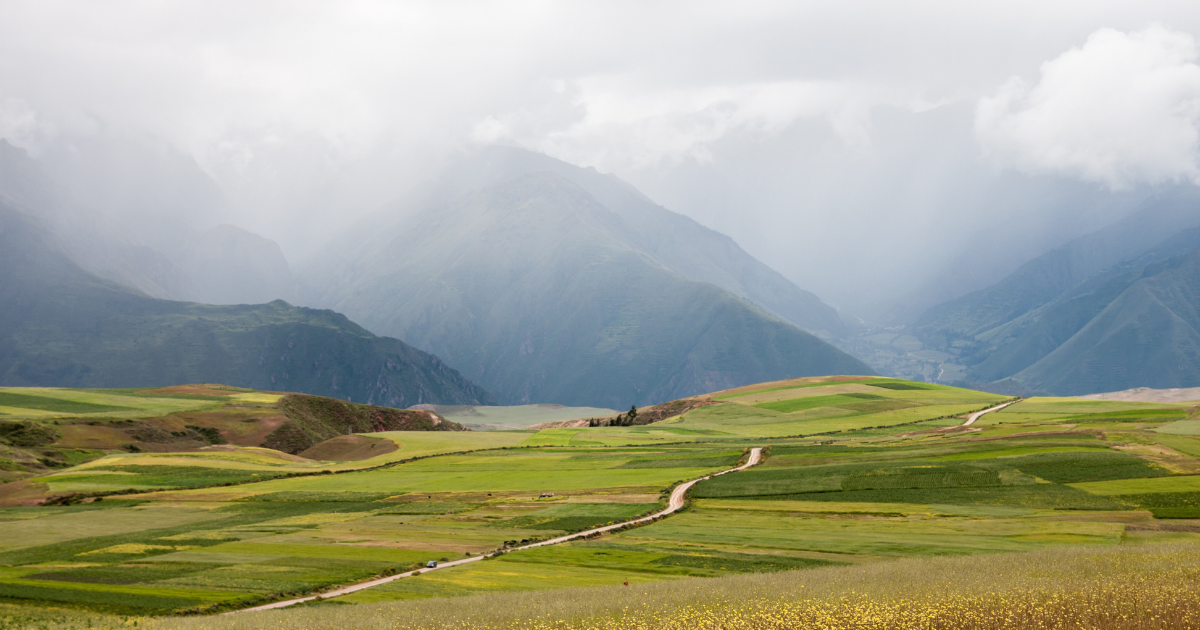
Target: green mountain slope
{"points": [[60, 326], [532, 289], [1148, 335]]}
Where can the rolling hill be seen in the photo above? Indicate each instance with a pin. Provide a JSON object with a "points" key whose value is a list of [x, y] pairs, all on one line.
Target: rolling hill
{"points": [[61, 326], [871, 495], [49, 428], [534, 288]]}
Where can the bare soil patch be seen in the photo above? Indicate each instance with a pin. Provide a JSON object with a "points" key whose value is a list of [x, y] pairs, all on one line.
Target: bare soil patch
{"points": [[349, 448]]}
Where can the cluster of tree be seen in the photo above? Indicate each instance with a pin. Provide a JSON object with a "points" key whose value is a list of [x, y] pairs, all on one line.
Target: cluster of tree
{"points": [[626, 419], [622, 420]]}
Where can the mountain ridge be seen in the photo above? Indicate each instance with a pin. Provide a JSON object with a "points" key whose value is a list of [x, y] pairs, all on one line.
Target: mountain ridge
{"points": [[530, 288], [61, 326], [675, 241]]}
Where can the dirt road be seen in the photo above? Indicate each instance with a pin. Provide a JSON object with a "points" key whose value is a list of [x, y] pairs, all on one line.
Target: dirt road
{"points": [[975, 416], [674, 505]]}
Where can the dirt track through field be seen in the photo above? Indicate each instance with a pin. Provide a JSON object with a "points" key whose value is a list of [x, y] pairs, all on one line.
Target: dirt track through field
{"points": [[975, 416], [674, 505]]}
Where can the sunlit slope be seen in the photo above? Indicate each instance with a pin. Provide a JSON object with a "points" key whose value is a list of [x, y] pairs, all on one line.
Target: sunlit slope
{"points": [[60, 326], [794, 407], [532, 289]]}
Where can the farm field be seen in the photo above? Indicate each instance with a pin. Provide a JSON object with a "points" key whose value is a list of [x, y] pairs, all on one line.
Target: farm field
{"points": [[859, 472], [44, 429]]}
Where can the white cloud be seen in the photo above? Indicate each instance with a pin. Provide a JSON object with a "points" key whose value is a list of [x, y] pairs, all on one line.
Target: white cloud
{"points": [[625, 123], [1121, 110]]}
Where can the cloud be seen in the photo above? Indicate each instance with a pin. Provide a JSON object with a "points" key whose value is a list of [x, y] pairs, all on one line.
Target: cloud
{"points": [[1121, 110], [623, 123]]}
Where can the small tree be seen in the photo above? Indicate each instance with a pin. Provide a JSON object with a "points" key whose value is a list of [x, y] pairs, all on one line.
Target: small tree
{"points": [[632, 415]]}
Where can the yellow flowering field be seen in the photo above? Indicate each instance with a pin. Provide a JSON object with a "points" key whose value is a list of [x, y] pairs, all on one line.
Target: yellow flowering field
{"points": [[1144, 587]]}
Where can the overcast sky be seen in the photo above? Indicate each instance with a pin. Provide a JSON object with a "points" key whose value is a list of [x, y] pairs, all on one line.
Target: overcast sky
{"points": [[861, 148]]}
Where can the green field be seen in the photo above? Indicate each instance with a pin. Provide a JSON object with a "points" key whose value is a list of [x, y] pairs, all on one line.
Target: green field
{"points": [[205, 530], [44, 429]]}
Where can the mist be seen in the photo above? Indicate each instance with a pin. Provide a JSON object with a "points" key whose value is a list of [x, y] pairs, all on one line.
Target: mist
{"points": [[886, 157]]}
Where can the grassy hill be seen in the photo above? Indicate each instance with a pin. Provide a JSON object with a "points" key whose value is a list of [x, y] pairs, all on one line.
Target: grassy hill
{"points": [[533, 290], [60, 326], [45, 428], [868, 483]]}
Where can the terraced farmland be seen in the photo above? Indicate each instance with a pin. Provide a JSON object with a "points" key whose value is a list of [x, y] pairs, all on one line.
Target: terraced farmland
{"points": [[219, 529]]}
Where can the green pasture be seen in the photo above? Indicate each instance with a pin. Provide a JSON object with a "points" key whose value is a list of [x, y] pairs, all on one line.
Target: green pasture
{"points": [[425, 443], [877, 534], [1141, 486], [501, 575], [1181, 427], [48, 402], [1040, 410], [882, 383], [851, 476]]}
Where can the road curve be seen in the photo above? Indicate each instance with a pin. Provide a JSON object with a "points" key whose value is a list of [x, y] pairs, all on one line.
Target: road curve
{"points": [[674, 505], [975, 416]]}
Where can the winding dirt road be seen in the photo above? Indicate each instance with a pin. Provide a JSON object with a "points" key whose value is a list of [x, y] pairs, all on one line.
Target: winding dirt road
{"points": [[975, 416], [674, 505]]}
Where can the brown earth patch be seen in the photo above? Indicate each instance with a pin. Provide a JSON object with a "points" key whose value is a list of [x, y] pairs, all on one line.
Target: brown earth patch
{"points": [[23, 493], [243, 427], [1166, 457], [349, 448], [101, 436]]}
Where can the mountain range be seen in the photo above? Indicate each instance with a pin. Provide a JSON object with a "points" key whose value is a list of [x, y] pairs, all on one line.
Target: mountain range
{"points": [[541, 281], [62, 326], [1108, 311], [135, 234], [547, 282]]}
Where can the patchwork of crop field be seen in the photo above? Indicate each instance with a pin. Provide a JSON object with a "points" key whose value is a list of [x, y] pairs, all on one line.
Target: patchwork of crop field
{"points": [[859, 470]]}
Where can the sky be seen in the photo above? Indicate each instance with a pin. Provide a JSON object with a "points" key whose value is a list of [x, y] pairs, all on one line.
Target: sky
{"points": [[883, 155]]}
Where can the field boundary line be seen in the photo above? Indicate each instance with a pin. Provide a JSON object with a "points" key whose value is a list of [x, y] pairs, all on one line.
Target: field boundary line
{"points": [[677, 501]]}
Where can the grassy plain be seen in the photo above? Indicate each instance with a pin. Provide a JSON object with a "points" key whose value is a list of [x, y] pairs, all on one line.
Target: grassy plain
{"points": [[844, 483]]}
